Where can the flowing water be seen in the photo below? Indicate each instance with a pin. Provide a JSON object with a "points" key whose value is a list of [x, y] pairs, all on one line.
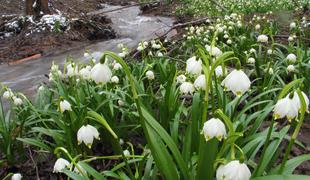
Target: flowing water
{"points": [[131, 28]]}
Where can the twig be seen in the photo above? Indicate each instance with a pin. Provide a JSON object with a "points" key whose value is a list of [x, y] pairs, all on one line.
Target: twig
{"points": [[34, 163]]}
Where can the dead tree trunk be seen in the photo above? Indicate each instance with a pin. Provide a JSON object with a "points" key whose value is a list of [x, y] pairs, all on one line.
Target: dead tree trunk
{"points": [[36, 7]]}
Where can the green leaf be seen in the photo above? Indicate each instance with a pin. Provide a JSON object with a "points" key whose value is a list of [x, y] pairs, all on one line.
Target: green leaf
{"points": [[35, 143], [97, 117], [292, 164], [91, 171]]}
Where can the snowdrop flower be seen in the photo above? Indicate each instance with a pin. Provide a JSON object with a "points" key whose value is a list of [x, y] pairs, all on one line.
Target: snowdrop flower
{"points": [[17, 101], [214, 51], [85, 72], [120, 46], [115, 79], [87, 134], [126, 153], [72, 70], [117, 66], [219, 71], [297, 101], [187, 88], [7, 94], [214, 128], [262, 38], [229, 41], [234, 170], [200, 82], [181, 79], [290, 38], [270, 71], [237, 82], [86, 54], [121, 141], [120, 103], [122, 54], [101, 73], [257, 27], [251, 60], [61, 164], [160, 54], [290, 68], [64, 105], [285, 107], [291, 58], [252, 50], [193, 66], [140, 48], [41, 88], [16, 176], [150, 75], [292, 25], [269, 51]]}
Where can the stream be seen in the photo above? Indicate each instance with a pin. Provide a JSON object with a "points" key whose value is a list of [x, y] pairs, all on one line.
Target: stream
{"points": [[130, 26]]}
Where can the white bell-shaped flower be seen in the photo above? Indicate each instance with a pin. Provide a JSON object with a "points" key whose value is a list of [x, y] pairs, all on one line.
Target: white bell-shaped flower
{"points": [[126, 152], [200, 82], [17, 101], [7, 94], [290, 68], [187, 88], [101, 73], [262, 38], [234, 170], [213, 50], [181, 79], [87, 134], [291, 58], [293, 25], [219, 71], [214, 128], [237, 82], [72, 70], [251, 60], [285, 107], [193, 66], [115, 79], [85, 72], [64, 105], [297, 101], [150, 75], [117, 66], [16, 176], [60, 165]]}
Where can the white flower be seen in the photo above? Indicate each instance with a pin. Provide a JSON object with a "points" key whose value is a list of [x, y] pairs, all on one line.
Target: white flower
{"points": [[270, 71], [262, 38], [291, 58], [61, 164], [72, 70], [214, 128], [251, 60], [237, 82], [122, 54], [101, 73], [290, 68], [120, 102], [126, 153], [214, 51], [257, 27], [140, 48], [234, 170], [297, 101], [187, 88], [16, 176], [85, 72], [200, 82], [285, 107], [290, 38], [17, 101], [269, 51], [115, 79], [86, 54], [181, 79], [229, 41], [252, 50], [150, 75], [120, 46], [8, 94], [160, 54], [87, 134], [293, 25], [64, 106], [193, 66], [117, 66], [219, 71]]}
